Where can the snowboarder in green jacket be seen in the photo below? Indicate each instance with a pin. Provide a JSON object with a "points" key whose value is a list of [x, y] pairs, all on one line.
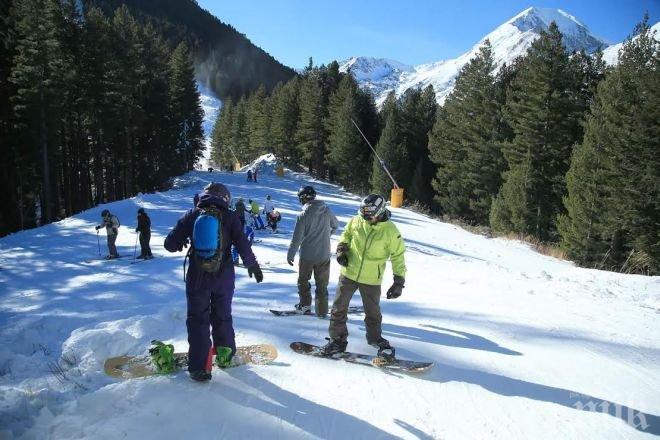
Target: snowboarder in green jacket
{"points": [[368, 241]]}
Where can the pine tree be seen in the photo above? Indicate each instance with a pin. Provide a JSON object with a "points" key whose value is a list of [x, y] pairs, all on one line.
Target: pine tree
{"points": [[222, 136], [613, 201], [391, 149], [186, 112], [258, 122], [542, 109], [348, 155], [284, 122], [465, 143], [240, 140], [422, 118], [38, 68], [311, 136]]}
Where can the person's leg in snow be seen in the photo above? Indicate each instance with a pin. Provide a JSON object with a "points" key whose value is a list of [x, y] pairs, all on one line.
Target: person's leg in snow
{"points": [[373, 318], [321, 278], [339, 313], [112, 248], [198, 323], [221, 319], [305, 269]]}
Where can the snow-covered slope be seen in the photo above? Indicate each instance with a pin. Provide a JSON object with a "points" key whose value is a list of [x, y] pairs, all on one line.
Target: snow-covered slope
{"points": [[611, 54], [210, 104], [524, 345], [510, 40]]}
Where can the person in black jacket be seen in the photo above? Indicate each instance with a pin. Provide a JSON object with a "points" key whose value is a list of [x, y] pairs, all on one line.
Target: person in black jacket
{"points": [[144, 229]]}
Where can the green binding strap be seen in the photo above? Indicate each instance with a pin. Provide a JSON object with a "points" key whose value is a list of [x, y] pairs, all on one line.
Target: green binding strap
{"points": [[162, 356], [223, 356]]}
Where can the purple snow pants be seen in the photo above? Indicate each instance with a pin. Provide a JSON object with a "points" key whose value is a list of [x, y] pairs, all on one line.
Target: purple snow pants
{"points": [[209, 305]]}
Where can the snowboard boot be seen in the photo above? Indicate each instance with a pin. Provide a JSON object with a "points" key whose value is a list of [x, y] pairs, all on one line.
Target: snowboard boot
{"points": [[303, 310], [334, 346], [385, 350], [140, 257], [223, 357], [200, 376]]}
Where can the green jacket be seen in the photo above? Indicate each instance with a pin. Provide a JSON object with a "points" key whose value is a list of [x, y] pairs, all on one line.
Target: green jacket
{"points": [[254, 208], [370, 246]]}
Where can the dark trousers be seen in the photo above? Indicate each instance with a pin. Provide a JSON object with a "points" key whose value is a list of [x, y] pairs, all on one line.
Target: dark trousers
{"points": [[339, 314], [321, 271], [209, 307], [112, 249], [145, 250]]}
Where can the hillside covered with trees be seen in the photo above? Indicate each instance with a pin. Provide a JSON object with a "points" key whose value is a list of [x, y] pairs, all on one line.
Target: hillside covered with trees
{"points": [[225, 60], [556, 147]]}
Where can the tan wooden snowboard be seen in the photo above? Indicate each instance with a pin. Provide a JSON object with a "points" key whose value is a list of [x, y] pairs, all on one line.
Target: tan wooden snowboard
{"points": [[128, 367]]}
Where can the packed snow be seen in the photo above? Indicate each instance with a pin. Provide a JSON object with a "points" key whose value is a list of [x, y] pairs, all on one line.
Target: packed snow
{"points": [[524, 345], [508, 41], [210, 105]]}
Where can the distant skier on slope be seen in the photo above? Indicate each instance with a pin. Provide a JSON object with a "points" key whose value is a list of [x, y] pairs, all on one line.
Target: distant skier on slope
{"points": [[254, 212], [368, 241], [211, 228], [314, 225], [269, 206], [273, 218], [111, 224], [144, 229], [239, 208]]}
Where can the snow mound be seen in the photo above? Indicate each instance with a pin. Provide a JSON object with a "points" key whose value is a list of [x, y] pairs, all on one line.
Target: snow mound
{"points": [[265, 164]]}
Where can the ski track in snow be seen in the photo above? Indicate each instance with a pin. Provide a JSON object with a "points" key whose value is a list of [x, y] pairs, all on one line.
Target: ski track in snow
{"points": [[521, 341]]}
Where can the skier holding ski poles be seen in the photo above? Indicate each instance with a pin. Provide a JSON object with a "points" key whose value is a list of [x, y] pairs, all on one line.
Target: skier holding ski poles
{"points": [[314, 225], [111, 224], [368, 241], [212, 229]]}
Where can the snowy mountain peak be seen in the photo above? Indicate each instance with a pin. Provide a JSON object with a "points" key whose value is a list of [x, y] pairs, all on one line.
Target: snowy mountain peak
{"points": [[379, 75], [576, 35], [540, 18], [367, 68], [509, 41]]}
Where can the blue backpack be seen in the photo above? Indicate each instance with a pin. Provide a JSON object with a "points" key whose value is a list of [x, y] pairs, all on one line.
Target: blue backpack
{"points": [[207, 239]]}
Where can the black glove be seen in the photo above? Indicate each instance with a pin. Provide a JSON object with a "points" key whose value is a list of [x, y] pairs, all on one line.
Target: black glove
{"points": [[97, 227], [137, 229], [256, 271], [397, 287], [342, 254], [290, 261]]}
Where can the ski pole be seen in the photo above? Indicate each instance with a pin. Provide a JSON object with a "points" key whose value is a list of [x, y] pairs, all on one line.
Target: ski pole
{"points": [[135, 247], [98, 241]]}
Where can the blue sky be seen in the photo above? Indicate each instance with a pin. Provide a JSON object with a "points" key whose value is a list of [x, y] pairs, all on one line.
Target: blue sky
{"points": [[413, 32]]}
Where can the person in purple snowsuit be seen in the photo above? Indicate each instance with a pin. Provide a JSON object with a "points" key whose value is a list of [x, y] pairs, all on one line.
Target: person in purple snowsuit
{"points": [[209, 294]]}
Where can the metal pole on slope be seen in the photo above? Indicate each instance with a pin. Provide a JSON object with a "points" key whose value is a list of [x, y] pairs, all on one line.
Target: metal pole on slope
{"points": [[382, 163], [234, 154]]}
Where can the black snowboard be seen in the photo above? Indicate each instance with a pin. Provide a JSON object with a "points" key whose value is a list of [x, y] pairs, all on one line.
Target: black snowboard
{"points": [[364, 359], [352, 309]]}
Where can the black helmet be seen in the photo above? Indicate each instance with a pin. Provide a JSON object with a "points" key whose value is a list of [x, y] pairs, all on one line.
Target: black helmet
{"points": [[218, 190], [141, 210], [105, 213], [372, 206], [306, 194]]}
